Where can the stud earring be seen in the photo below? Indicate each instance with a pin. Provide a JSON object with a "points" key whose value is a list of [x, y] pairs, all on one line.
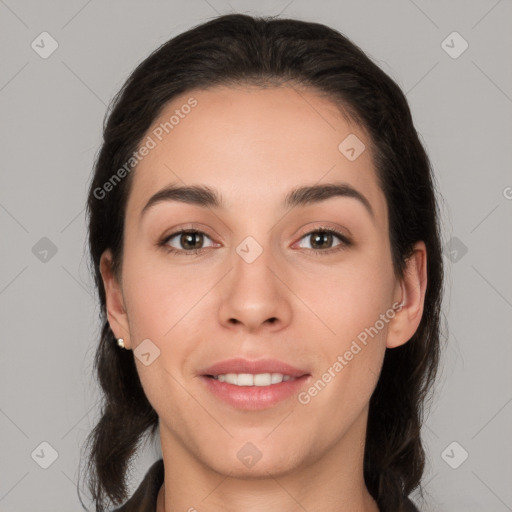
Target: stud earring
{"points": [[120, 342]]}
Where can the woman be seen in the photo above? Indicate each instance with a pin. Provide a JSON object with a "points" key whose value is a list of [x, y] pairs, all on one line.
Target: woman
{"points": [[264, 236]]}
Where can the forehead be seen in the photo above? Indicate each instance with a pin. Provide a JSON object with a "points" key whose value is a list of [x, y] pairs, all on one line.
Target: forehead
{"points": [[254, 144]]}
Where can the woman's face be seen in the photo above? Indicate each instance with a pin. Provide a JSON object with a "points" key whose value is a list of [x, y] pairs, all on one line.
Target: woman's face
{"points": [[267, 283]]}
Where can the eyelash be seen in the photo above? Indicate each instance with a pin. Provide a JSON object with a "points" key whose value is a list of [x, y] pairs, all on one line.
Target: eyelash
{"points": [[345, 242]]}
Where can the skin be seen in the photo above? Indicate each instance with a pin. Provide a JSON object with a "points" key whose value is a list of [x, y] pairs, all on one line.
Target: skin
{"points": [[254, 145]]}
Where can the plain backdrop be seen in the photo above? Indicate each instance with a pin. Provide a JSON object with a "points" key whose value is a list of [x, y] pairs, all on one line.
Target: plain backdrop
{"points": [[51, 110]]}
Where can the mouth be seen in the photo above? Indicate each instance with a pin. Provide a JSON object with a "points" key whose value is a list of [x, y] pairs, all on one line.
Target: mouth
{"points": [[253, 385]]}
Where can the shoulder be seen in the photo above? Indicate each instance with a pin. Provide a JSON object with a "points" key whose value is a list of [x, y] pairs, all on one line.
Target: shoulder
{"points": [[144, 498]]}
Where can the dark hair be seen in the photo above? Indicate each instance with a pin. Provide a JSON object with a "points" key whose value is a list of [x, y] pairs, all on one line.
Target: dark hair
{"points": [[238, 49]]}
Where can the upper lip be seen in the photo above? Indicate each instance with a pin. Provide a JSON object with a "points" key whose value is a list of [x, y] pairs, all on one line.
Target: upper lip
{"points": [[240, 365]]}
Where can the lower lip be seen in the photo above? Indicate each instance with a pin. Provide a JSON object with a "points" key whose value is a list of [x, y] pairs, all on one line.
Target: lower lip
{"points": [[254, 397]]}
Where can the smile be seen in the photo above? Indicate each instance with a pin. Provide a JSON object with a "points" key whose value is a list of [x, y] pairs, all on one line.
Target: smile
{"points": [[249, 379]]}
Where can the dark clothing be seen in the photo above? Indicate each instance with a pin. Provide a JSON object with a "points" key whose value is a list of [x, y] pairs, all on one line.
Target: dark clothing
{"points": [[144, 498]]}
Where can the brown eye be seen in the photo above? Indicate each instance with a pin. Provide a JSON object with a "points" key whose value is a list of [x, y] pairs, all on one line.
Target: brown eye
{"points": [[321, 241], [186, 240], [191, 240]]}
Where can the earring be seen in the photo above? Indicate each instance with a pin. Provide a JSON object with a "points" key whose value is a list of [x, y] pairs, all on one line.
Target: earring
{"points": [[120, 342]]}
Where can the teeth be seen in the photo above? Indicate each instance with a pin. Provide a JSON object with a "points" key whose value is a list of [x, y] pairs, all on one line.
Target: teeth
{"points": [[248, 379]]}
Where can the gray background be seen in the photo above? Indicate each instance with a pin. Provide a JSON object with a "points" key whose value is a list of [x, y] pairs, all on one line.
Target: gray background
{"points": [[52, 111]]}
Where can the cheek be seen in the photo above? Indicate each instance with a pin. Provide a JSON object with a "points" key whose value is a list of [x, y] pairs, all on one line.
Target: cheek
{"points": [[165, 305], [348, 297], [350, 304], [160, 297], [160, 306]]}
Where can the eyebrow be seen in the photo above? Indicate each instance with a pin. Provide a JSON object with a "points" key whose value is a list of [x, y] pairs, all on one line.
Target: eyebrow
{"points": [[206, 197]]}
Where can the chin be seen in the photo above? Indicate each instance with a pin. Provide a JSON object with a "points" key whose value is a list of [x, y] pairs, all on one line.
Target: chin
{"points": [[254, 460], [262, 469]]}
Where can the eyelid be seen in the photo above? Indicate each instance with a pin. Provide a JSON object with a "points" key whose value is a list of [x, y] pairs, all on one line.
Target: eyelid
{"points": [[326, 226], [191, 226]]}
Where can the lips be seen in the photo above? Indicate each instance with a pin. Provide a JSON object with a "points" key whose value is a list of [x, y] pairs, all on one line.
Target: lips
{"points": [[253, 385], [240, 365]]}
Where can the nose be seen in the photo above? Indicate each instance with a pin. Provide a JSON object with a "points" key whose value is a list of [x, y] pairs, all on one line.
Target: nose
{"points": [[255, 295]]}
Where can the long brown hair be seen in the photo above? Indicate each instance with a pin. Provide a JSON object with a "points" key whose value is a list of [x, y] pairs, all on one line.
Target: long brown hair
{"points": [[236, 49]]}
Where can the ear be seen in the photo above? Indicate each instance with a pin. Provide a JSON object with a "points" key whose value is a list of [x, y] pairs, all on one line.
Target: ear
{"points": [[410, 292], [116, 312]]}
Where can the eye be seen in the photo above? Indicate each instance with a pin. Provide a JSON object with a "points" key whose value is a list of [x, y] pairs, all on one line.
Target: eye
{"points": [[190, 240], [322, 239]]}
